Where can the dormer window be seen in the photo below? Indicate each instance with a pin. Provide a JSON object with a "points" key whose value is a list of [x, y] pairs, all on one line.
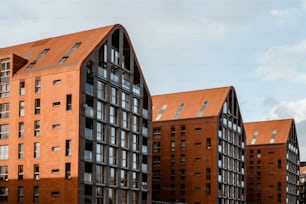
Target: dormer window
{"points": [[64, 58], [43, 53]]}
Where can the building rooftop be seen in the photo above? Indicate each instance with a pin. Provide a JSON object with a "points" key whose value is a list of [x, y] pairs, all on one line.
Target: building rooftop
{"points": [[268, 132], [55, 52], [191, 104]]}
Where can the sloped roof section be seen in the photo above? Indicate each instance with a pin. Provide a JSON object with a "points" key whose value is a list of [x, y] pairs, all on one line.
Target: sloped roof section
{"points": [[265, 130], [191, 104], [48, 52]]}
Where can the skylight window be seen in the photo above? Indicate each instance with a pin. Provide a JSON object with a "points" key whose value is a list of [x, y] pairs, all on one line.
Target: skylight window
{"points": [[43, 53], [254, 137], [274, 132], [162, 110], [75, 46], [203, 108], [179, 110]]}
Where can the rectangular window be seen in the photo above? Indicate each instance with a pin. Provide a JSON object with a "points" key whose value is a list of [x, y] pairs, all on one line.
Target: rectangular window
{"points": [[113, 176], [135, 161], [183, 130], [183, 159], [208, 143], [136, 105], [37, 106], [101, 113], [156, 146], [22, 88], [21, 130], [114, 95], [125, 120], [21, 108], [3, 173], [67, 170], [37, 85], [4, 128], [100, 155], [35, 194], [172, 131], [36, 172], [100, 174], [5, 78], [36, 128], [68, 102], [156, 133], [124, 139], [112, 156], [56, 81], [208, 190], [20, 151], [20, 194], [4, 152], [113, 115], [124, 158], [183, 145], [208, 174], [68, 151], [125, 101], [20, 172], [113, 136], [36, 150], [57, 103], [123, 178], [279, 163], [4, 110], [172, 146], [56, 126], [4, 194], [101, 90], [135, 142], [100, 131], [55, 171], [135, 123]]}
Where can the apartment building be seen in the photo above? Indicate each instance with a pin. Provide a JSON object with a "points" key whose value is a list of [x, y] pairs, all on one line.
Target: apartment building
{"points": [[272, 162], [198, 147], [302, 189], [75, 120]]}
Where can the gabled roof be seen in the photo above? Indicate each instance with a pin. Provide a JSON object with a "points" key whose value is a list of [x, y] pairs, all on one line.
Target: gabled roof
{"points": [[58, 48], [265, 129], [191, 104]]}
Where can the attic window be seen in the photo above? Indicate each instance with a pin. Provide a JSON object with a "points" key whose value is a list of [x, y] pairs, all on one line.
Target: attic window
{"points": [[273, 136], [75, 46], [254, 137], [179, 110], [203, 108], [43, 53], [162, 110]]}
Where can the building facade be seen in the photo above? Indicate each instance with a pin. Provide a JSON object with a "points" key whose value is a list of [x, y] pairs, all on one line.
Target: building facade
{"points": [[272, 162], [302, 182], [75, 121], [198, 147]]}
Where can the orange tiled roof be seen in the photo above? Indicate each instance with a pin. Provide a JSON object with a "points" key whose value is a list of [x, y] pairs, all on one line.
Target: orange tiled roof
{"points": [[59, 47], [265, 129], [193, 102]]}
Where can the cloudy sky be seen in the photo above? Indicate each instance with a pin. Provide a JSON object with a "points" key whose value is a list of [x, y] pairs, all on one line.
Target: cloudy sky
{"points": [[258, 46]]}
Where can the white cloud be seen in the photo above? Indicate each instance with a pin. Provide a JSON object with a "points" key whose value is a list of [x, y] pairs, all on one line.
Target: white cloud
{"points": [[283, 63], [289, 109]]}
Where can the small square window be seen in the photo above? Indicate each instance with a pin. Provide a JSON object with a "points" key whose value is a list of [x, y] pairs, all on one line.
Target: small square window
{"points": [[57, 103]]}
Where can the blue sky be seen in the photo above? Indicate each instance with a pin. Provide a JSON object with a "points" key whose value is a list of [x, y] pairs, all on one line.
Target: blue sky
{"points": [[258, 46]]}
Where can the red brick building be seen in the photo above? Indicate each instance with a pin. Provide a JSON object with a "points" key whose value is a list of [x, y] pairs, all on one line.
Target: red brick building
{"points": [[75, 121], [198, 147], [272, 162]]}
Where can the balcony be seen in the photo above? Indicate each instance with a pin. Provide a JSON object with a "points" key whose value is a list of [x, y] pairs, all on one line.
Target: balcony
{"points": [[89, 111], [89, 89], [144, 149], [144, 167], [144, 185], [88, 133], [145, 113], [88, 155], [102, 72], [87, 178], [126, 84], [136, 89], [114, 78], [144, 131]]}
